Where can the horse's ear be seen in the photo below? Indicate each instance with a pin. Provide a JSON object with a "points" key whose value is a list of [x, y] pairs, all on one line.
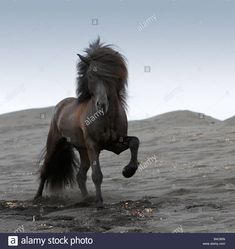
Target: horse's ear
{"points": [[84, 59]]}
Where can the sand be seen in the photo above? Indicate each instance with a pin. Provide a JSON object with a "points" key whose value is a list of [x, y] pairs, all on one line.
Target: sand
{"points": [[185, 182]]}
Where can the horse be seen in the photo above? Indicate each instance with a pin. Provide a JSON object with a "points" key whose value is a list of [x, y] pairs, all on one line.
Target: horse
{"points": [[93, 121]]}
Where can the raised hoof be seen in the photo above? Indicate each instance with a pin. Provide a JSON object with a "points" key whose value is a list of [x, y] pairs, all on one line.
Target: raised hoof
{"points": [[129, 171]]}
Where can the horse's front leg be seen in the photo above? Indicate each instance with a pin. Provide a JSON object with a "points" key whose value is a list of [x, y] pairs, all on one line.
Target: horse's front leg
{"points": [[97, 175], [82, 173], [133, 144], [123, 144]]}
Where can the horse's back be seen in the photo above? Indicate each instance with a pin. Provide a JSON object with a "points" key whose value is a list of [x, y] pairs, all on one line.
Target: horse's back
{"points": [[65, 102]]}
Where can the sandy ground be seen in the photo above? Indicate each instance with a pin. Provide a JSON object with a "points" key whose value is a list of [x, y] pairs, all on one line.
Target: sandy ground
{"points": [[185, 183]]}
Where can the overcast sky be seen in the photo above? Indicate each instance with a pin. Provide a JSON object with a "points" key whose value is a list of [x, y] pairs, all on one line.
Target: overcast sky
{"points": [[188, 46]]}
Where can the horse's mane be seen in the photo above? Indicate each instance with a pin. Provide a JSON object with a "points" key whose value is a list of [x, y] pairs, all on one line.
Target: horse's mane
{"points": [[102, 61]]}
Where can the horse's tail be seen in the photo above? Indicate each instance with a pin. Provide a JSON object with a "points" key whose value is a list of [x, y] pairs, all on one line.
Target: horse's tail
{"points": [[59, 165]]}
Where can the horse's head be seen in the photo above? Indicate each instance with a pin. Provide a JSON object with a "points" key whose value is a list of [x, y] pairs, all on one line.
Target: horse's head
{"points": [[97, 87], [99, 93], [102, 76]]}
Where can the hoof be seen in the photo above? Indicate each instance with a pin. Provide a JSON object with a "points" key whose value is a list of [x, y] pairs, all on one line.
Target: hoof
{"points": [[99, 205], [37, 198], [129, 171]]}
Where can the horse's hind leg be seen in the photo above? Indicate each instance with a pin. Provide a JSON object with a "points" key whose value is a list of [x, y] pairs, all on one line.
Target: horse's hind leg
{"points": [[82, 173], [123, 144], [40, 189]]}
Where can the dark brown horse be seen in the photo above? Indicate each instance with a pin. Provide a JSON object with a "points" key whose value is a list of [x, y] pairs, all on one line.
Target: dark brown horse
{"points": [[94, 121]]}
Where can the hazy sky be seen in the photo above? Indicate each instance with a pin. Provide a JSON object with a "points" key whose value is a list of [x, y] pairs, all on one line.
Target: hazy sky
{"points": [[189, 47]]}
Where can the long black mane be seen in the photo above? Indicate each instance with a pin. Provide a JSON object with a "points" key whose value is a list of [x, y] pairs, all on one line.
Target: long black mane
{"points": [[102, 61]]}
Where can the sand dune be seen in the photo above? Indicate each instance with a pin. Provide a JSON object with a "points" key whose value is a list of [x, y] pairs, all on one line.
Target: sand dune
{"points": [[186, 179], [230, 121], [182, 118]]}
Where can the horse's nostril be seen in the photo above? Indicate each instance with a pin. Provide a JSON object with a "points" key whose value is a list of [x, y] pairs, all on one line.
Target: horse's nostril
{"points": [[98, 104], [101, 106]]}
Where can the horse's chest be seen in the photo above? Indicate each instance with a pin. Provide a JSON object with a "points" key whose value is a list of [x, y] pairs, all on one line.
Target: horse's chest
{"points": [[109, 134], [105, 133]]}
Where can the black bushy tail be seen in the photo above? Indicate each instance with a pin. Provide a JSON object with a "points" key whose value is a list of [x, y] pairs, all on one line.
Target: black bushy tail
{"points": [[59, 166]]}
